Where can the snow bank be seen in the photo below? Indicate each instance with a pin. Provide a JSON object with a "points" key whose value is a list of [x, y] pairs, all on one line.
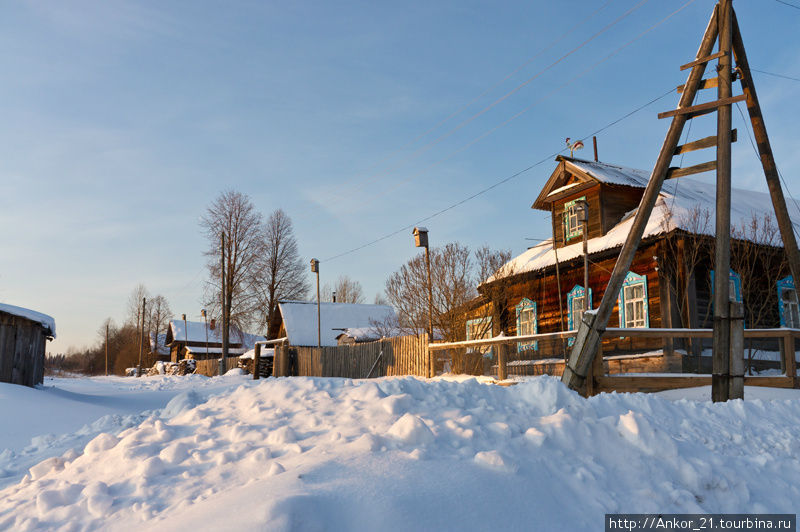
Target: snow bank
{"points": [[406, 454], [47, 322]]}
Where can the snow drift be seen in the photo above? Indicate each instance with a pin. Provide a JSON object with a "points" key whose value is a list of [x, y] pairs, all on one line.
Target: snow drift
{"points": [[408, 454]]}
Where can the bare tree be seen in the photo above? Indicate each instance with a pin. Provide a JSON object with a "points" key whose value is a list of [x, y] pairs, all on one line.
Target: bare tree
{"points": [[453, 283], [346, 289], [234, 215], [133, 307], [380, 299], [282, 274], [159, 314]]}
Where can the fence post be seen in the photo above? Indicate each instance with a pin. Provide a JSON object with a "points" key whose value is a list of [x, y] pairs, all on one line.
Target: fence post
{"points": [[502, 362], [736, 364], [789, 360], [256, 362]]}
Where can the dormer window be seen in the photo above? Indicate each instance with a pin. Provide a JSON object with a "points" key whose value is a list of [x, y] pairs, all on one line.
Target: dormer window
{"points": [[572, 224]]}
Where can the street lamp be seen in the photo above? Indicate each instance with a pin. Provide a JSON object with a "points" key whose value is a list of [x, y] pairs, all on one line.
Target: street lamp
{"points": [[315, 269], [421, 241]]}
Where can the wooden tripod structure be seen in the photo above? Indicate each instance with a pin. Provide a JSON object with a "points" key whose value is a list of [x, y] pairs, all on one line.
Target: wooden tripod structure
{"points": [[728, 358]]}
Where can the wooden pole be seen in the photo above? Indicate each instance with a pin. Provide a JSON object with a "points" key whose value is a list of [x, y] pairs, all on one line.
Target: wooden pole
{"points": [[107, 348], [225, 311], [141, 338], [736, 380], [589, 336], [432, 369], [765, 152], [721, 354], [256, 362], [558, 284], [319, 315], [789, 358], [502, 362], [585, 227]]}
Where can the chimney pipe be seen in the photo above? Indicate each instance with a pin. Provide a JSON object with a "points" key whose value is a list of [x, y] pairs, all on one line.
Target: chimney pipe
{"points": [[212, 323], [594, 140]]}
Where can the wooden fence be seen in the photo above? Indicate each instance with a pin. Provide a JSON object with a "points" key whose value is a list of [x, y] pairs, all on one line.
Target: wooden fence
{"points": [[608, 372], [403, 355], [210, 367]]}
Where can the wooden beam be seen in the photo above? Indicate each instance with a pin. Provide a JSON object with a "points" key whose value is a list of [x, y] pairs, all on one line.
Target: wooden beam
{"points": [[706, 142], [709, 83], [702, 60], [689, 170], [702, 108], [765, 152], [587, 341]]}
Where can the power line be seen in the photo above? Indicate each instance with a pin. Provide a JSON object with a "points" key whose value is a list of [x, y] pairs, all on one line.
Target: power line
{"points": [[423, 149], [787, 4], [774, 74], [425, 133], [496, 184], [534, 104]]}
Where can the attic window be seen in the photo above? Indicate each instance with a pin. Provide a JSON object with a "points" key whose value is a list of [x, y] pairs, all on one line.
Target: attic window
{"points": [[572, 226]]}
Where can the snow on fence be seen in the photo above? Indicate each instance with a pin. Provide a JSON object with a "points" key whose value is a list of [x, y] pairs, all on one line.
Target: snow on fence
{"points": [[210, 367], [402, 355], [627, 373]]}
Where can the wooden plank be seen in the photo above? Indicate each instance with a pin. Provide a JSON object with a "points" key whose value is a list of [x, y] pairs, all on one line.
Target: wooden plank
{"points": [[674, 172], [702, 108], [651, 384], [706, 142], [702, 60], [705, 84]]}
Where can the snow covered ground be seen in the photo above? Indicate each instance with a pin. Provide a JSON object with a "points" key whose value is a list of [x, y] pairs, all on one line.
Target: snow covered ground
{"points": [[387, 454]]}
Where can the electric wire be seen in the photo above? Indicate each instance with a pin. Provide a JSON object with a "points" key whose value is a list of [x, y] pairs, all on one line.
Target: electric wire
{"points": [[472, 102], [496, 184], [426, 147], [525, 110], [774, 74], [787, 4]]}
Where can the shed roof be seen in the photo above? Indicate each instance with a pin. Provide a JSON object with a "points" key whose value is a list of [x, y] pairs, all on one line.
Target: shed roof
{"points": [[197, 334], [300, 320], [46, 321]]}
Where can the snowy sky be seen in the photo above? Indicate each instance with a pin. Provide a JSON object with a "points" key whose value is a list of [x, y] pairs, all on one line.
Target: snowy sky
{"points": [[121, 121]]}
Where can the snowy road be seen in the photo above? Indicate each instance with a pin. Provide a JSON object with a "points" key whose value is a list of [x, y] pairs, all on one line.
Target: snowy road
{"points": [[394, 454]]}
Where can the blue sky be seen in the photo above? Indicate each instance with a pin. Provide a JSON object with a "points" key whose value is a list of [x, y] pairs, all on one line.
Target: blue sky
{"points": [[121, 121]]}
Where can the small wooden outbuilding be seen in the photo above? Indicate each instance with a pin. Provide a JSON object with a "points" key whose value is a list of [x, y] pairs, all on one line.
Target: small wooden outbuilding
{"points": [[23, 336]]}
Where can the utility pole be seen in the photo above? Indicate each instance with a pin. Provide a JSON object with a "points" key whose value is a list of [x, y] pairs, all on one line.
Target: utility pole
{"points": [[421, 241], [225, 312], [141, 338], [583, 217], [315, 269], [106, 349]]}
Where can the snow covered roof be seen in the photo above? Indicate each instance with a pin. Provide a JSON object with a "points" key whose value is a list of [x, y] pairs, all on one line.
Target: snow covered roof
{"points": [[161, 347], [266, 352], [678, 200], [201, 350], [300, 320], [47, 322], [576, 174], [610, 174], [197, 334]]}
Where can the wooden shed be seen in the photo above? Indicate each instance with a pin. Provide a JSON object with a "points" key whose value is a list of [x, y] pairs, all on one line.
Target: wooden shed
{"points": [[23, 336]]}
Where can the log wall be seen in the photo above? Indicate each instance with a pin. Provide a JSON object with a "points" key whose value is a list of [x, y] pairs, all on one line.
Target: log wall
{"points": [[22, 350]]}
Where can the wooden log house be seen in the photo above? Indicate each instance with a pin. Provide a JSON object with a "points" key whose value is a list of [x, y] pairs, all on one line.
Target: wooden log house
{"points": [[201, 341], [23, 337], [670, 280]]}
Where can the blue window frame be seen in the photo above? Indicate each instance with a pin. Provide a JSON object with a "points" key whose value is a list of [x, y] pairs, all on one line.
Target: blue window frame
{"points": [[634, 311], [527, 323], [576, 304], [735, 289], [572, 227], [788, 304], [479, 329]]}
